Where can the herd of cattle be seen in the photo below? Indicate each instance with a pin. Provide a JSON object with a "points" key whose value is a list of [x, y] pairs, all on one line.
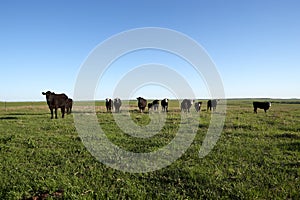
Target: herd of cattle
{"points": [[56, 101]]}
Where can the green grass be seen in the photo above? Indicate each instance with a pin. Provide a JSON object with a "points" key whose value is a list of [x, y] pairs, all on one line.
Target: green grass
{"points": [[256, 157]]}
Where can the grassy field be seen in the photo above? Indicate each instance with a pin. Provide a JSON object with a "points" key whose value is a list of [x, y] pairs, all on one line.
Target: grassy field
{"points": [[256, 157]]}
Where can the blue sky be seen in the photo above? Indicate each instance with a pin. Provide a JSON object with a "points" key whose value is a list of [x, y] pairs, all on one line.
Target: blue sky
{"points": [[255, 45]]}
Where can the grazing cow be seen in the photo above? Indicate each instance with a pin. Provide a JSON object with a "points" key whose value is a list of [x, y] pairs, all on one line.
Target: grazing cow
{"points": [[261, 105], [108, 104], [117, 104], [186, 105], [56, 101], [212, 104], [198, 106], [164, 104], [69, 105], [142, 103]]}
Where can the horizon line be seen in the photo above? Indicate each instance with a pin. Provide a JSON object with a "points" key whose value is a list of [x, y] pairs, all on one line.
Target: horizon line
{"points": [[230, 98]]}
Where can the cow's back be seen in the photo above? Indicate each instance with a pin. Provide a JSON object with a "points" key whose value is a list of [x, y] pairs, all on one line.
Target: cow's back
{"points": [[58, 100]]}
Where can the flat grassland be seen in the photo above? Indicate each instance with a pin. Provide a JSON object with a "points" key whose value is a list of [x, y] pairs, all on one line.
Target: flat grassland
{"points": [[256, 157]]}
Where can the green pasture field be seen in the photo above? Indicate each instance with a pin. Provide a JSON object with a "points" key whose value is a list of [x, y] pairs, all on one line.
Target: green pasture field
{"points": [[256, 157]]}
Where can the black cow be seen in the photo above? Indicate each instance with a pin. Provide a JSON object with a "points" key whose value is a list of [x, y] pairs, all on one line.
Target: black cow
{"points": [[186, 105], [69, 105], [198, 106], [56, 101], [142, 103], [155, 104], [261, 105], [108, 104], [212, 104], [164, 104], [150, 106], [117, 104]]}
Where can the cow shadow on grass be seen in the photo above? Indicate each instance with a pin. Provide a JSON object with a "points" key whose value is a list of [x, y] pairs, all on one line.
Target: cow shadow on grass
{"points": [[26, 113], [8, 118], [15, 116]]}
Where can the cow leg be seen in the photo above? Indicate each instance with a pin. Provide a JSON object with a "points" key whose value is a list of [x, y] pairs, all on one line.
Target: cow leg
{"points": [[62, 112], [55, 110], [208, 108], [51, 110], [255, 110]]}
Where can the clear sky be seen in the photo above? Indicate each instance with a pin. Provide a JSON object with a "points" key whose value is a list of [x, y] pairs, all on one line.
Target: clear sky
{"points": [[255, 44]]}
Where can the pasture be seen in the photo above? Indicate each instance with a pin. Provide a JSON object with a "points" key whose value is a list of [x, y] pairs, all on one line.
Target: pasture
{"points": [[256, 157]]}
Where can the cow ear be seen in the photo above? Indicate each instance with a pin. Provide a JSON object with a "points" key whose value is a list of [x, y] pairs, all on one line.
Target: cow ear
{"points": [[43, 93]]}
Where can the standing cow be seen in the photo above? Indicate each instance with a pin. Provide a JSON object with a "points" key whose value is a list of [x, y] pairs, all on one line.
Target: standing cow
{"points": [[261, 105], [186, 105], [56, 101], [108, 104], [212, 104], [150, 106], [69, 105], [142, 103], [198, 106], [164, 104], [154, 105], [117, 104]]}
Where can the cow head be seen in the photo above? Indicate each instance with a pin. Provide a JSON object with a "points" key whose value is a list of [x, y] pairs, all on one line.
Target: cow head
{"points": [[48, 95], [117, 100], [139, 99]]}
